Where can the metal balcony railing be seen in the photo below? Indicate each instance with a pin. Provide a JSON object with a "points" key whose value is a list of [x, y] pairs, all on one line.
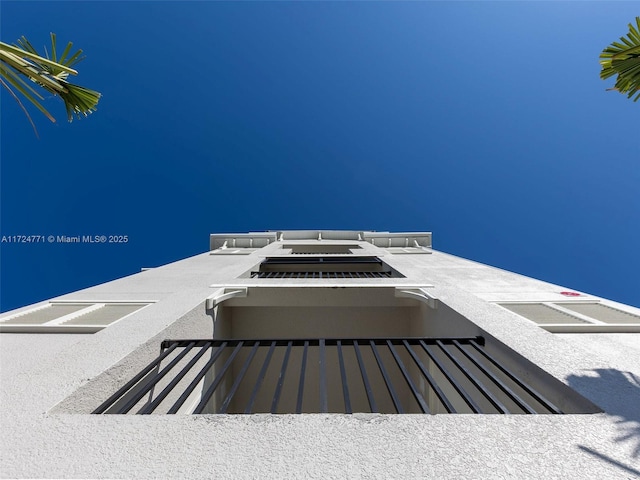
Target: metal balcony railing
{"points": [[321, 274], [385, 375], [336, 267], [319, 260], [321, 253]]}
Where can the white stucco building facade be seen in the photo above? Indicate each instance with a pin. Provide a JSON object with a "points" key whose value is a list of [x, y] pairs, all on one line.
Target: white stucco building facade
{"points": [[322, 354]]}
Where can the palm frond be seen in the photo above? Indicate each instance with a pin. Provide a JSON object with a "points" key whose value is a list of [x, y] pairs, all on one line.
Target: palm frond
{"points": [[5, 47], [29, 93], [17, 99], [48, 72], [623, 59]]}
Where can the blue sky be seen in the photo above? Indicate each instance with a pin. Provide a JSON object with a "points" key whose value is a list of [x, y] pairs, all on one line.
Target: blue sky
{"points": [[483, 122]]}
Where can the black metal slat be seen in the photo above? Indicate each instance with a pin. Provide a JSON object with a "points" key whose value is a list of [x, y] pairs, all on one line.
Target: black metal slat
{"points": [[423, 404], [162, 395], [260, 378], [303, 367], [535, 394], [475, 408], [365, 379], [510, 393], [212, 388], [125, 388], [474, 380], [387, 380], [155, 379], [343, 376], [203, 371], [225, 404], [283, 370], [432, 383], [324, 405]]}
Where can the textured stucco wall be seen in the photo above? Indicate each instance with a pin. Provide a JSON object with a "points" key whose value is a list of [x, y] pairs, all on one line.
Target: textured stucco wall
{"points": [[315, 446], [43, 375]]}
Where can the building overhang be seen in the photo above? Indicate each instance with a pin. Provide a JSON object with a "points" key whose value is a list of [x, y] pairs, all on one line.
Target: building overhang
{"points": [[262, 239]]}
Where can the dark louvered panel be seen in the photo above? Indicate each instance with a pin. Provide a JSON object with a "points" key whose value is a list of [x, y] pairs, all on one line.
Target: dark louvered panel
{"points": [[321, 275], [385, 375]]}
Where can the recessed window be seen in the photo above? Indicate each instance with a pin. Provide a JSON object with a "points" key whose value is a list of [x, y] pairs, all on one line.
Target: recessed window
{"points": [[68, 317], [543, 314], [601, 313], [576, 317]]}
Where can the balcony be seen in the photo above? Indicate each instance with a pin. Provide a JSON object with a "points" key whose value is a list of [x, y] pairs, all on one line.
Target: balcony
{"points": [[374, 375], [343, 267]]}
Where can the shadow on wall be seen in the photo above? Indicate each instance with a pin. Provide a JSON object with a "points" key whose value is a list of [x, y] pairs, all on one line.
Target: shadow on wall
{"points": [[618, 393]]}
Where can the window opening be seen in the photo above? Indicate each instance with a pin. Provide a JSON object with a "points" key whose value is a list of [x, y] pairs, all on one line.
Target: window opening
{"points": [[576, 317], [69, 317]]}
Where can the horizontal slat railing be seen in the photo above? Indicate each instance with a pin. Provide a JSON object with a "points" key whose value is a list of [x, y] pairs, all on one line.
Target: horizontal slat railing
{"points": [[321, 275], [385, 375]]}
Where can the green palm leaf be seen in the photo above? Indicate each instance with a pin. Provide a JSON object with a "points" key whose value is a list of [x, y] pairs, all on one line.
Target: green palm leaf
{"points": [[623, 59], [50, 73]]}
